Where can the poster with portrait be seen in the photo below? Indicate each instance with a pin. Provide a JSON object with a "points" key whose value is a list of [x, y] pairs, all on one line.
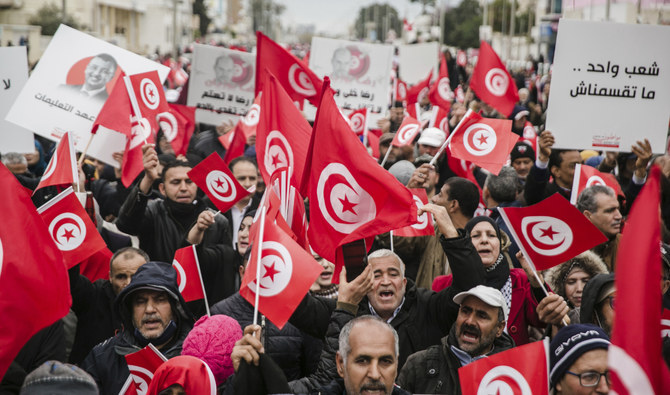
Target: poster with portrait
{"points": [[359, 73], [221, 86], [415, 61], [14, 74], [609, 91], [70, 84]]}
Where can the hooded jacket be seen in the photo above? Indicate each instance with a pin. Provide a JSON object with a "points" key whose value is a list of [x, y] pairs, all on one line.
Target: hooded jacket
{"points": [[587, 261], [590, 297], [106, 363]]}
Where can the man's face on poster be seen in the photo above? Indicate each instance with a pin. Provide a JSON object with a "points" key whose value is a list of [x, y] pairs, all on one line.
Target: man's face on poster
{"points": [[341, 62], [224, 69], [98, 73]]}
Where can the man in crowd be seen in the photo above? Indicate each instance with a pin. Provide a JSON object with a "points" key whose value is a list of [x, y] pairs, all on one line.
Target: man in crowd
{"points": [[598, 302], [500, 191], [522, 158], [600, 205], [477, 333], [245, 170], [430, 141]]}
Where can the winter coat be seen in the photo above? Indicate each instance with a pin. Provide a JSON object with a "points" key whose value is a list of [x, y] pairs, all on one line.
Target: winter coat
{"points": [[587, 311], [587, 261], [336, 387]]}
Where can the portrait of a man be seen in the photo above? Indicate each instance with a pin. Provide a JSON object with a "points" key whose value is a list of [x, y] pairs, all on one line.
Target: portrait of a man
{"points": [[341, 62], [99, 71], [224, 69]]}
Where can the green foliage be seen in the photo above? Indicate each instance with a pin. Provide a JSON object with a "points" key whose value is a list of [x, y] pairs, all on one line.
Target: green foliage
{"points": [[384, 16], [49, 17], [200, 9], [461, 25], [500, 9]]}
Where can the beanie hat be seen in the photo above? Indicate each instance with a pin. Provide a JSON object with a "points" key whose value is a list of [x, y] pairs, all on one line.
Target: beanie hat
{"points": [[522, 150], [402, 171], [212, 340], [57, 378], [570, 343]]}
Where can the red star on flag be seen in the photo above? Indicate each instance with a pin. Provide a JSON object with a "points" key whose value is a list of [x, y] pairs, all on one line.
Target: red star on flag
{"points": [[219, 183], [68, 234], [549, 232], [270, 271], [482, 139], [347, 205]]}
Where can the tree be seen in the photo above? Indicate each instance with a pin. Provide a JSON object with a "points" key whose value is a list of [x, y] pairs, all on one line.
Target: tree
{"points": [[500, 10], [265, 16], [200, 9], [461, 25], [380, 18], [49, 17]]}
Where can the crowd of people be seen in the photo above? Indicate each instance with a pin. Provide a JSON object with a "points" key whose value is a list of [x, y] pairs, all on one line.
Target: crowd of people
{"points": [[424, 306]]}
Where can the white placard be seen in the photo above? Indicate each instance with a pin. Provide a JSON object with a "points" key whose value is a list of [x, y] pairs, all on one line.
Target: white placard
{"points": [[416, 60], [54, 101], [14, 74], [359, 72], [610, 86], [221, 84]]}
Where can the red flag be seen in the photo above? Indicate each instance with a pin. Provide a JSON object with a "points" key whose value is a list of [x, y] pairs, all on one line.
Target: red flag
{"points": [[142, 366], [529, 135], [520, 370], [634, 356], [132, 164], [287, 272], [440, 93], [460, 96], [492, 83], [665, 323], [424, 222], [406, 133], [282, 135], [585, 176], [399, 90], [116, 113], [217, 181], [461, 58], [351, 196], [178, 124], [358, 119], [250, 120], [148, 96], [33, 279], [189, 277], [236, 143], [96, 267], [551, 231], [486, 142], [439, 119], [298, 80], [418, 91], [62, 168], [71, 228], [373, 143]]}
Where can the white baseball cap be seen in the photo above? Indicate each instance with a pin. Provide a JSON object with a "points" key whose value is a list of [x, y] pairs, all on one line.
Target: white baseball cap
{"points": [[488, 295], [433, 137]]}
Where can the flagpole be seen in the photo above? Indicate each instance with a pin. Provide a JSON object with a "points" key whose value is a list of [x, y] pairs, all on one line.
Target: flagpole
{"points": [[451, 135], [391, 233], [202, 284], [133, 103], [83, 153], [387, 154], [259, 254], [365, 129]]}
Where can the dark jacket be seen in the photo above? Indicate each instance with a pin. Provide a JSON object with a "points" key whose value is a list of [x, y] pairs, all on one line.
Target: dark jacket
{"points": [[202, 145], [435, 370], [106, 363], [425, 316], [590, 297], [538, 187], [336, 387]]}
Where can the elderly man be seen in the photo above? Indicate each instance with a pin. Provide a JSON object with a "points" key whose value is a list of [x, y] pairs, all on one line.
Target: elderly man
{"points": [[153, 312], [478, 332], [600, 205], [93, 303]]}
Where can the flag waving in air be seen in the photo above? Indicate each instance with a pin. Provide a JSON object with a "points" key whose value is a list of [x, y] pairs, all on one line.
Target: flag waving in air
{"points": [[424, 222], [440, 93], [358, 120], [217, 181], [62, 168], [406, 133], [416, 92], [189, 278], [178, 125], [492, 83], [142, 365], [585, 176]]}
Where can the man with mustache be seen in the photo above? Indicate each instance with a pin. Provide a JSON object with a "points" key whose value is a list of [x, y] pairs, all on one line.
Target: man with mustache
{"points": [[477, 333], [600, 205]]}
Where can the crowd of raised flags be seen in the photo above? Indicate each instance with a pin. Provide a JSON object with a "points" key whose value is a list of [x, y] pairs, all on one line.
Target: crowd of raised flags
{"points": [[351, 197]]}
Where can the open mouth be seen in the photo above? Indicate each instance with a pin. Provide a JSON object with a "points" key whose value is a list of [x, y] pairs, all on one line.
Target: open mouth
{"points": [[152, 324], [386, 295], [326, 274], [469, 335]]}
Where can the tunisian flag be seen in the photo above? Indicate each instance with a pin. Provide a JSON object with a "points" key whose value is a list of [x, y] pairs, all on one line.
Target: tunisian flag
{"points": [[351, 196], [492, 83], [440, 93], [406, 133], [399, 90], [551, 231], [485, 142], [178, 125], [116, 113], [142, 366], [147, 94], [634, 356], [217, 181], [424, 222], [189, 278], [418, 91], [297, 79], [358, 119], [520, 370], [62, 168], [287, 272], [71, 228], [34, 290], [585, 176], [439, 119]]}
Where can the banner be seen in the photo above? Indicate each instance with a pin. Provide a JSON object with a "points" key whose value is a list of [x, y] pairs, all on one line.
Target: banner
{"points": [[415, 61], [69, 86], [221, 85], [609, 91], [14, 74]]}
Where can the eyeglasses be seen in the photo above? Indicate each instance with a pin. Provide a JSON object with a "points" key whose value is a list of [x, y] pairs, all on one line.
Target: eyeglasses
{"points": [[591, 379]]}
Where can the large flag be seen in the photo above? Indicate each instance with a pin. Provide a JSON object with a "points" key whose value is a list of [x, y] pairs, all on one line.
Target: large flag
{"points": [[635, 357], [440, 93], [34, 286], [189, 277], [416, 92], [486, 142], [287, 272], [178, 125], [424, 222], [492, 83], [520, 370], [407, 131], [297, 79], [142, 366], [71, 228], [551, 231], [282, 135], [585, 176], [62, 168], [351, 196], [217, 181]]}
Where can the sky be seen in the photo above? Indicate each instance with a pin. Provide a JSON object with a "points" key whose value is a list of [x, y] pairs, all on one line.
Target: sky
{"points": [[335, 16]]}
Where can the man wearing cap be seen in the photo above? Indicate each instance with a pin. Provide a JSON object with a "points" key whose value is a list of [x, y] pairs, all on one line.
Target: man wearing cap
{"points": [[578, 360], [153, 312], [477, 333], [522, 158], [431, 140], [519, 118]]}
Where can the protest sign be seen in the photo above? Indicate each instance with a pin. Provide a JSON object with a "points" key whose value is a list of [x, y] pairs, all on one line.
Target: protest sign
{"points": [[609, 91], [14, 74], [69, 86], [415, 61], [221, 85], [359, 74]]}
